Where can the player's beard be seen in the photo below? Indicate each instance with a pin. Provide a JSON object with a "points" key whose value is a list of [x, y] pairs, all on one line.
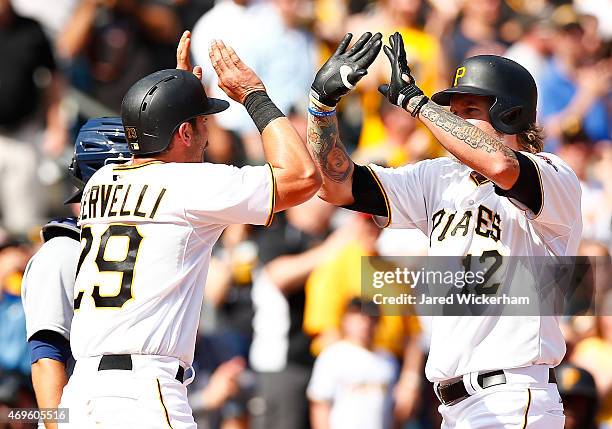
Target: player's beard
{"points": [[204, 151]]}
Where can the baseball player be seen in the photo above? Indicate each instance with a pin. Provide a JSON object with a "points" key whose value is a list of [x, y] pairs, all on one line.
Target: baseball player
{"points": [[498, 195], [48, 283], [147, 231]]}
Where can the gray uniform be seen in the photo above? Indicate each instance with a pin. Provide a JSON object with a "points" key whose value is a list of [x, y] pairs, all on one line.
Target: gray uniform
{"points": [[48, 287]]}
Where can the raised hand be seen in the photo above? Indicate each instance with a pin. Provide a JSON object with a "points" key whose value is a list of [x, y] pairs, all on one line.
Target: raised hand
{"points": [[401, 87], [236, 79], [345, 68], [183, 61]]}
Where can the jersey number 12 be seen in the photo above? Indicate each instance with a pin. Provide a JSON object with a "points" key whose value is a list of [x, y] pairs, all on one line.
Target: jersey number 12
{"points": [[124, 267]]}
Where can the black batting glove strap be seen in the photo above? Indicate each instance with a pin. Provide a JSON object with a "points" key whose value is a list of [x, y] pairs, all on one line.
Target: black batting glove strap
{"points": [[423, 101], [399, 91], [345, 68], [402, 95]]}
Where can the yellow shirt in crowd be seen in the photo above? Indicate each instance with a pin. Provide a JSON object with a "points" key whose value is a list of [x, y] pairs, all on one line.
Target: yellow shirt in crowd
{"points": [[423, 54], [329, 289]]}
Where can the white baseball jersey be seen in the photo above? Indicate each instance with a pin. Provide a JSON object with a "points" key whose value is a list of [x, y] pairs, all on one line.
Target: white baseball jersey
{"points": [[47, 288], [147, 232], [358, 382], [464, 216]]}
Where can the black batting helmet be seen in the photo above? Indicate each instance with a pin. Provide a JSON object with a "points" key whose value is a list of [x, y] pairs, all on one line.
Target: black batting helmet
{"points": [[157, 104], [510, 85], [573, 380]]}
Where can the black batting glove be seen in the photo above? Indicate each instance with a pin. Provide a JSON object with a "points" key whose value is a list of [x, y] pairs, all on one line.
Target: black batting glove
{"points": [[344, 68], [399, 90]]}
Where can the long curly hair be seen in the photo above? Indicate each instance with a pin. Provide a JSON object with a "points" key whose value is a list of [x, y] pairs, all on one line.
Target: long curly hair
{"points": [[532, 139]]}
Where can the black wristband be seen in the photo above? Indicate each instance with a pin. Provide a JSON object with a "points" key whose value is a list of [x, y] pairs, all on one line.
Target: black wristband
{"points": [[261, 109]]}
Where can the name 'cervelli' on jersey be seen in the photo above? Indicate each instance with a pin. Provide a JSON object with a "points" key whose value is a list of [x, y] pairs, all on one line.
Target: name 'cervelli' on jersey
{"points": [[120, 200]]}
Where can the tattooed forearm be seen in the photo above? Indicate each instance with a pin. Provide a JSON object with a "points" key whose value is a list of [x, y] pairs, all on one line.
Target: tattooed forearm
{"points": [[328, 150], [460, 128]]}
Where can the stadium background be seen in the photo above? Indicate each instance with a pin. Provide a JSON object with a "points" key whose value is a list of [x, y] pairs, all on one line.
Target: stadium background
{"points": [[275, 298]]}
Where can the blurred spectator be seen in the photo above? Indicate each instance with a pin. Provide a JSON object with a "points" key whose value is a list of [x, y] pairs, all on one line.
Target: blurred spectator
{"points": [[283, 55], [288, 75], [593, 354], [595, 285], [577, 150], [476, 32], [53, 16], [442, 16], [212, 396], [602, 10], [404, 141], [280, 350], [325, 305], [30, 117], [579, 394], [572, 90], [600, 228], [14, 355], [600, 258], [529, 7], [424, 55], [594, 46], [228, 288], [533, 48], [330, 288], [214, 25], [110, 44], [352, 382], [228, 291]]}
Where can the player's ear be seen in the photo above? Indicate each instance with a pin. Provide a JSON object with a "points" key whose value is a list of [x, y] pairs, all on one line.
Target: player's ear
{"points": [[185, 133]]}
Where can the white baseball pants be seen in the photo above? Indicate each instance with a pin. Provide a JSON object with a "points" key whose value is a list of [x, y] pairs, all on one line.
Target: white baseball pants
{"points": [[147, 397], [526, 401]]}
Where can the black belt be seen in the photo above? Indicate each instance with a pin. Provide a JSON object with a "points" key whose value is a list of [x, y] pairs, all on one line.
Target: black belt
{"points": [[125, 362], [453, 393]]}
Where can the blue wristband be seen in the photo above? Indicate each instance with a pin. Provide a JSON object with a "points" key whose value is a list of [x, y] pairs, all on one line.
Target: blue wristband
{"points": [[319, 113]]}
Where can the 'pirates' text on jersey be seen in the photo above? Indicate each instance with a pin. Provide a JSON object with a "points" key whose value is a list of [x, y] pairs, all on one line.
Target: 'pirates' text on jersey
{"points": [[463, 215]]}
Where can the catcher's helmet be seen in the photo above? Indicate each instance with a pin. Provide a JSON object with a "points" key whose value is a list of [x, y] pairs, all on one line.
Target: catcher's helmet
{"points": [[510, 84], [64, 226], [100, 141], [157, 104]]}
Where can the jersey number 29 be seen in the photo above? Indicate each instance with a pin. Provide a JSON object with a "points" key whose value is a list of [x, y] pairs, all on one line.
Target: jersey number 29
{"points": [[125, 267]]}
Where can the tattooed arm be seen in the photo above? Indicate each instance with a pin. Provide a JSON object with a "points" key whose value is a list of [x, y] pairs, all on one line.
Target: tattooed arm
{"points": [[336, 78], [474, 143], [332, 158], [478, 145]]}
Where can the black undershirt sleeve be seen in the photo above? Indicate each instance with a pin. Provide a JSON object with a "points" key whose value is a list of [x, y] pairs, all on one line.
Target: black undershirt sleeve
{"points": [[367, 194], [527, 189]]}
